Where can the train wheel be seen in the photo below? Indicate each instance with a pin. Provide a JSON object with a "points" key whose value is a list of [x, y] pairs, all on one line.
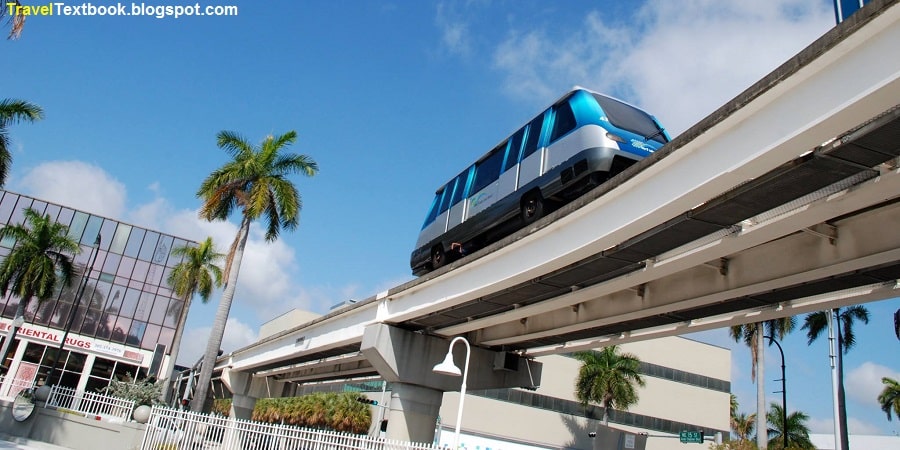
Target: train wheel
{"points": [[532, 207], [438, 257]]}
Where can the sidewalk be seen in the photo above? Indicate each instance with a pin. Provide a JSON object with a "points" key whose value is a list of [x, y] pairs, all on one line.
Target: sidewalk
{"points": [[17, 443]]}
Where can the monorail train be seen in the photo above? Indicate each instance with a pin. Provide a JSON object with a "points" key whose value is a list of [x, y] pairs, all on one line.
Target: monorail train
{"points": [[576, 144]]}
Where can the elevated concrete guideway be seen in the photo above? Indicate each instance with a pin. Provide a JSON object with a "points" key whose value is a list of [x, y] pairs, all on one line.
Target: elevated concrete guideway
{"points": [[783, 201]]}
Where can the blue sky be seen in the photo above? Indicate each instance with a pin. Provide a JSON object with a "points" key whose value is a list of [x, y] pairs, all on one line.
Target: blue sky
{"points": [[391, 99]]}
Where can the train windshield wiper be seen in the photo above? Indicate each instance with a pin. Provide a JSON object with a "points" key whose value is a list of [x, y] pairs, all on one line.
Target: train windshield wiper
{"points": [[658, 133]]}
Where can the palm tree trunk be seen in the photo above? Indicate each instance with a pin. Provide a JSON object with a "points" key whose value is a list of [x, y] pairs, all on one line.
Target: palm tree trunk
{"points": [[176, 347], [605, 420], [842, 407], [761, 426], [218, 329], [11, 334]]}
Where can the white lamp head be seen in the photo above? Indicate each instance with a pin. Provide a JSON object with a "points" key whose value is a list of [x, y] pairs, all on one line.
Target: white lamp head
{"points": [[447, 367]]}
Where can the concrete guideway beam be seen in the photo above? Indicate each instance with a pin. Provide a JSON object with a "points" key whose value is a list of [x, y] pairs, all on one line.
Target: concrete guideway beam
{"points": [[402, 356], [790, 261]]}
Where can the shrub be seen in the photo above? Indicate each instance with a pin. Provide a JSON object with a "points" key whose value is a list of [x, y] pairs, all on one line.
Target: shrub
{"points": [[144, 392]]}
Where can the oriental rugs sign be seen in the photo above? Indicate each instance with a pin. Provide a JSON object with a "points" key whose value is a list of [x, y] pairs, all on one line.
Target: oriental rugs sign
{"points": [[47, 335]]}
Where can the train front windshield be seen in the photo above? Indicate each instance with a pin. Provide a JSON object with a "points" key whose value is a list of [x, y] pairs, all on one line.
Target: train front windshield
{"points": [[627, 117]]}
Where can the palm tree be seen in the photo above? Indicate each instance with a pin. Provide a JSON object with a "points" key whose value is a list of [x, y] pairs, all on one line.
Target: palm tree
{"points": [[795, 428], [753, 335], [255, 180], [17, 21], [889, 398], [608, 378], [40, 257], [743, 425], [197, 273], [817, 322], [13, 111]]}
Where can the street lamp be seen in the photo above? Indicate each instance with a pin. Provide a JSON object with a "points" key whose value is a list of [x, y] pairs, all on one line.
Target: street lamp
{"points": [[448, 367], [82, 285], [784, 434]]}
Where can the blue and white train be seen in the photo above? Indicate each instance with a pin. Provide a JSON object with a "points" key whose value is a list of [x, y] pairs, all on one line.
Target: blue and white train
{"points": [[573, 146]]}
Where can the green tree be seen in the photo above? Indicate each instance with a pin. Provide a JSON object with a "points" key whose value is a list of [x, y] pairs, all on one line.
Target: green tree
{"points": [[753, 334], [39, 258], [815, 324], [256, 182], [13, 111], [608, 378], [742, 425], [796, 429], [197, 273], [889, 398]]}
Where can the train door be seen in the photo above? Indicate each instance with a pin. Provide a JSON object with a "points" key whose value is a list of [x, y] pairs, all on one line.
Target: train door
{"points": [[531, 165], [457, 213], [561, 122], [509, 171], [485, 181]]}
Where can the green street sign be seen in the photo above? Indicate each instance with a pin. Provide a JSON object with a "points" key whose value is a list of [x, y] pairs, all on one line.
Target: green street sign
{"points": [[691, 437]]}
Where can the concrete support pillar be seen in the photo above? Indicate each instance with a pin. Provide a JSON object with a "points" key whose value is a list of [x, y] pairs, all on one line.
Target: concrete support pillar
{"points": [[406, 359], [246, 389], [413, 412]]}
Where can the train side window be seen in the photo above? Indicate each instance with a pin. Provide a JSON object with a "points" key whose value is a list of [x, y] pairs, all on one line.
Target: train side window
{"points": [[515, 147], [460, 188], [564, 120], [488, 170], [448, 191], [433, 211], [534, 135]]}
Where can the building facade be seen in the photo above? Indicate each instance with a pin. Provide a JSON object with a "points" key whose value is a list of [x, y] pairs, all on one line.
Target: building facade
{"points": [[124, 317], [687, 388]]}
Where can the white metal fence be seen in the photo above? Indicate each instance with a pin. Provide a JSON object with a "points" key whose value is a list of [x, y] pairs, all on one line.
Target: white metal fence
{"points": [[172, 428], [90, 404]]}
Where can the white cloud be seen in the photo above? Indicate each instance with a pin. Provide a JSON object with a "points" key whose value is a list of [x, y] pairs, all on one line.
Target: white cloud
{"points": [[75, 184], [193, 345], [455, 34], [854, 426], [266, 286], [863, 384], [679, 60]]}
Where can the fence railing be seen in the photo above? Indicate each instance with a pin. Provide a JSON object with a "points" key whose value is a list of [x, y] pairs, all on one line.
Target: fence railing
{"points": [[90, 404], [172, 428]]}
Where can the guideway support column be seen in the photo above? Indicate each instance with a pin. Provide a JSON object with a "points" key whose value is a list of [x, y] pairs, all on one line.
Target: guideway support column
{"points": [[406, 359], [246, 389]]}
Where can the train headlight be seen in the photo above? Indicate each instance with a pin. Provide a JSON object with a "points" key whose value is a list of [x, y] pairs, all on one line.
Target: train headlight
{"points": [[615, 137]]}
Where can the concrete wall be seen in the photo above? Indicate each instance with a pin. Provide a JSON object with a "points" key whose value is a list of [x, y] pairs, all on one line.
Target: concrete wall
{"points": [[70, 430], [286, 321]]}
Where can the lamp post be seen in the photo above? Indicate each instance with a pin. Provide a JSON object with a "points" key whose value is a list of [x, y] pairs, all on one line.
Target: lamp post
{"points": [[448, 367], [82, 285], [784, 434]]}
